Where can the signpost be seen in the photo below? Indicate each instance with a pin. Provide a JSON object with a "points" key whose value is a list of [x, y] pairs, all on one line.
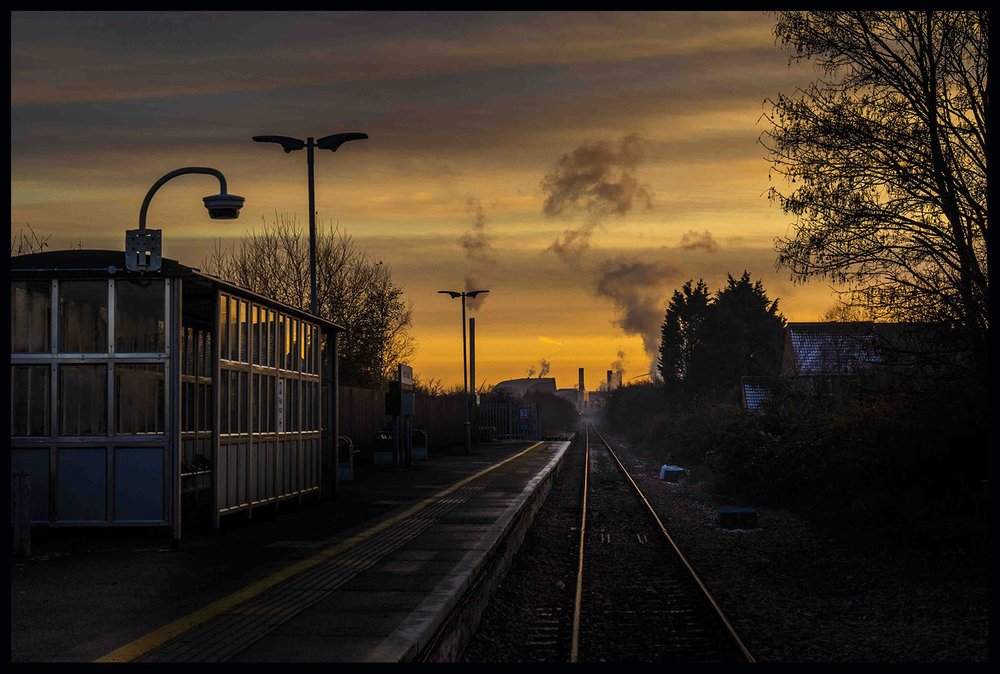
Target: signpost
{"points": [[399, 403]]}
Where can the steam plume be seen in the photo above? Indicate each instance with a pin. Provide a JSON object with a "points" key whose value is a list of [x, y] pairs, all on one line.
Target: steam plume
{"points": [[618, 365]]}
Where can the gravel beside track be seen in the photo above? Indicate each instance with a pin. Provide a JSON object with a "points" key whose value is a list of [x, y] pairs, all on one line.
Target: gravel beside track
{"points": [[793, 593]]}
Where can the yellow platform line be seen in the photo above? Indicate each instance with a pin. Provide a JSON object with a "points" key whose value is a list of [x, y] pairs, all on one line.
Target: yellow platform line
{"points": [[144, 644]]}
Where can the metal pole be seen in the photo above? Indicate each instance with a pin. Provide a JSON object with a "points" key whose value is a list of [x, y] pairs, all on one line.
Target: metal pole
{"points": [[472, 368], [472, 356], [465, 384], [313, 300], [173, 174]]}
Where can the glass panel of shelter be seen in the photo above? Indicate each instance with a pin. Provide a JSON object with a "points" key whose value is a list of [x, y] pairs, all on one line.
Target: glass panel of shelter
{"points": [[277, 367], [71, 389], [30, 316]]}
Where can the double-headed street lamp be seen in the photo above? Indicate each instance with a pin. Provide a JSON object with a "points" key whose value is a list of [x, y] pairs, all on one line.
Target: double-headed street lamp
{"points": [[465, 366], [330, 143], [143, 247]]}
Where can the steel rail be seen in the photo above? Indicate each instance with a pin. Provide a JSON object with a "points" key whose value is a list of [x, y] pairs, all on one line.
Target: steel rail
{"points": [[578, 601], [708, 595]]}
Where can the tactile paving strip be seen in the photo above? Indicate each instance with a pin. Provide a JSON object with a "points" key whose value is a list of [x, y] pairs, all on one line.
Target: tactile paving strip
{"points": [[220, 638]]}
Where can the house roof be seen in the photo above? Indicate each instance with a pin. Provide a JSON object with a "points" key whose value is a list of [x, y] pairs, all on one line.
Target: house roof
{"points": [[841, 348], [829, 348], [756, 391]]}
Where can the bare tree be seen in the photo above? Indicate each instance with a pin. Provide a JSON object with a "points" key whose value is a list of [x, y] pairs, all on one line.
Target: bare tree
{"points": [[353, 289], [25, 243], [885, 161]]}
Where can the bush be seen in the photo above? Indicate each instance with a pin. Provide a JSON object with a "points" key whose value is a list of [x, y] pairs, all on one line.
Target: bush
{"points": [[892, 463]]}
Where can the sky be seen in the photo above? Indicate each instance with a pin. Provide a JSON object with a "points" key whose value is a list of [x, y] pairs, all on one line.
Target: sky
{"points": [[579, 165]]}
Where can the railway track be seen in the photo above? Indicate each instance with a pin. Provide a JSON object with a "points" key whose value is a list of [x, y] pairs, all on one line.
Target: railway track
{"points": [[600, 580]]}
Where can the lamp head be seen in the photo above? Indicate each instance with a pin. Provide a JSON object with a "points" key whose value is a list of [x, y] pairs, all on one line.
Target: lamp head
{"points": [[223, 206], [450, 292], [287, 144], [473, 293], [334, 141]]}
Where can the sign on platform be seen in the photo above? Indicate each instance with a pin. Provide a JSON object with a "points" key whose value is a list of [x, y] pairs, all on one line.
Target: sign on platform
{"points": [[406, 377]]}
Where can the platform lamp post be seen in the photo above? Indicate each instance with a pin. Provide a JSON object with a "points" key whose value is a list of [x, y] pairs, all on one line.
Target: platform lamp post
{"points": [[330, 143], [144, 247], [465, 366], [143, 254]]}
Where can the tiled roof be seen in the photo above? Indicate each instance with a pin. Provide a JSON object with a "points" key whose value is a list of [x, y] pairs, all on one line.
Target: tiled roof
{"points": [[755, 392], [830, 348]]}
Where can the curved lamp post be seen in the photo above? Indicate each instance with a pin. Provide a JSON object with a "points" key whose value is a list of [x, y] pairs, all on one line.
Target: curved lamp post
{"points": [[330, 143], [143, 247], [465, 366]]}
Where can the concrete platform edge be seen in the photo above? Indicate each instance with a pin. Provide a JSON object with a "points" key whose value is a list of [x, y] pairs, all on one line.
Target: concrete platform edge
{"points": [[438, 629]]}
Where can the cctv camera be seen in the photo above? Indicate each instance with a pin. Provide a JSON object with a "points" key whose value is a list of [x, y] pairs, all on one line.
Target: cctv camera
{"points": [[223, 206]]}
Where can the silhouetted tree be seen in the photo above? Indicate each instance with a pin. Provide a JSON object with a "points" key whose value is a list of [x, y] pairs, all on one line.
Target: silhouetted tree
{"points": [[26, 243], [885, 155], [354, 291], [742, 334], [680, 333]]}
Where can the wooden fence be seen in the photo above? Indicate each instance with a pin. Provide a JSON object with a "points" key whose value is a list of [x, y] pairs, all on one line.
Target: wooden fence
{"points": [[362, 415]]}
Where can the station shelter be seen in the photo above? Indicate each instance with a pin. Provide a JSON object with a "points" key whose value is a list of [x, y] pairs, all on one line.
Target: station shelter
{"points": [[165, 397]]}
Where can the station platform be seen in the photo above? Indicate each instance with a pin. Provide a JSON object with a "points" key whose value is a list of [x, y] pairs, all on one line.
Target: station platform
{"points": [[395, 569]]}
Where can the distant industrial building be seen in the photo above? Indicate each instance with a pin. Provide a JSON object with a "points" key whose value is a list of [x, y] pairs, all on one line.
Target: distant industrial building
{"points": [[520, 387]]}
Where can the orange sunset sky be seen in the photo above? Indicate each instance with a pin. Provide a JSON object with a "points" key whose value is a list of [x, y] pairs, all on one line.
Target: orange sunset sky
{"points": [[579, 165]]}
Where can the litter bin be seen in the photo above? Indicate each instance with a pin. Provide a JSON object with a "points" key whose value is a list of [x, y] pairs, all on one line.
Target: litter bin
{"points": [[418, 445]]}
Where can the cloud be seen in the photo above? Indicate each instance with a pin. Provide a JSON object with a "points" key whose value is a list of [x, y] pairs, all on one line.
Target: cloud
{"points": [[549, 340], [692, 240]]}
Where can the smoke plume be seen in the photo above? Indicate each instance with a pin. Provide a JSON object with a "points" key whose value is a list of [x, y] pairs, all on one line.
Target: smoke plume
{"points": [[636, 289], [479, 249], [544, 364], [618, 365], [545, 368], [596, 180], [471, 283], [692, 240], [476, 240]]}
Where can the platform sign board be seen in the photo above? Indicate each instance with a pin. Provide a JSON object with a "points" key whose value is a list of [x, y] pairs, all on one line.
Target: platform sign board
{"points": [[399, 399], [406, 377]]}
